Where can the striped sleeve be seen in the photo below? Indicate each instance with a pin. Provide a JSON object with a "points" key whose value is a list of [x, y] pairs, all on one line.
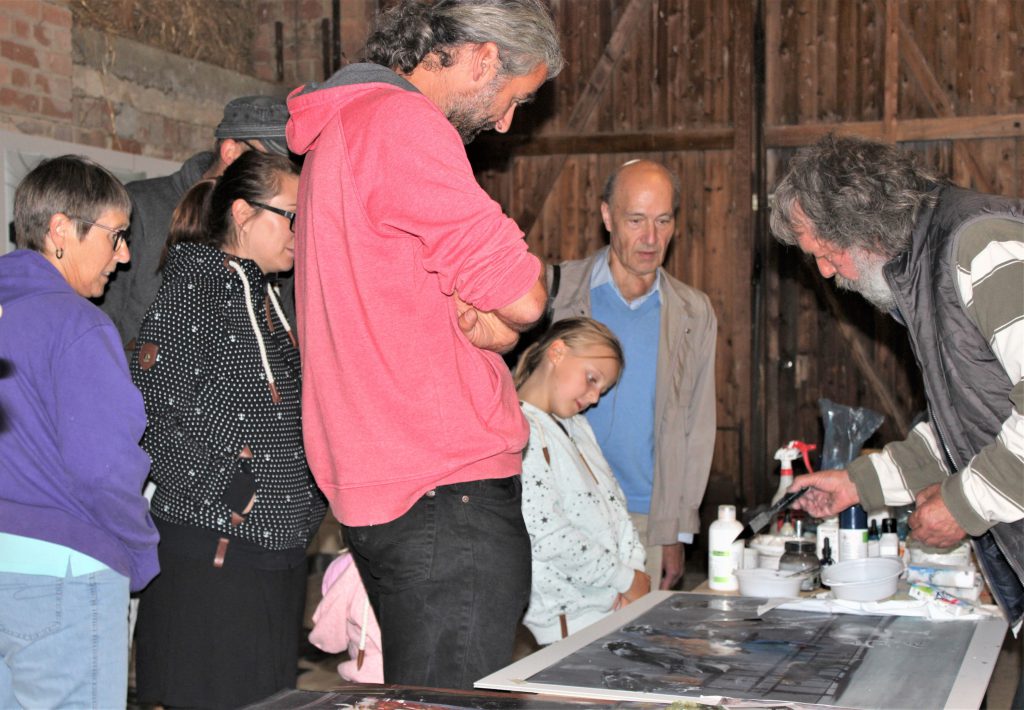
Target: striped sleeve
{"points": [[990, 277], [900, 470]]}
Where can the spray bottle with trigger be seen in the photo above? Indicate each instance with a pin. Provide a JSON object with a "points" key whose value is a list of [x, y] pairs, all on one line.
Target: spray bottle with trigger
{"points": [[786, 455]]}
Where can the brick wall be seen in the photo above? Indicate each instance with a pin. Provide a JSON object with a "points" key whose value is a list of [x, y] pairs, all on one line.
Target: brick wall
{"points": [[75, 84], [139, 99], [35, 68]]}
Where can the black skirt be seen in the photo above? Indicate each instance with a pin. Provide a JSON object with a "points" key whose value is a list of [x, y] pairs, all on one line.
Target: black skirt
{"points": [[211, 637]]}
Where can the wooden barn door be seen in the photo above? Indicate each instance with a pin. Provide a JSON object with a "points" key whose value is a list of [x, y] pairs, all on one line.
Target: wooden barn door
{"points": [[723, 92], [671, 81], [941, 77]]}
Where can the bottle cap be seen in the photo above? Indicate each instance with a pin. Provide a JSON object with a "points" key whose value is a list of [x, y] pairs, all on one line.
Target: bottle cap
{"points": [[853, 518], [727, 512]]}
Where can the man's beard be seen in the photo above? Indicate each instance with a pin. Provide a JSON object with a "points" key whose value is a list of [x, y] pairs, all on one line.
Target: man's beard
{"points": [[871, 284], [470, 113]]}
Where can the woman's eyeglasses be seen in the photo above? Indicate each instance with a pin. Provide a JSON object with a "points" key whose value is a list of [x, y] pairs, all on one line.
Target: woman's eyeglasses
{"points": [[119, 236], [290, 216]]}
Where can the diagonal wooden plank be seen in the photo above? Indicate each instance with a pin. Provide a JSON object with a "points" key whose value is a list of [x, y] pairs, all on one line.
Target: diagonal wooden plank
{"points": [[624, 32], [940, 103], [862, 359], [937, 98], [917, 65], [590, 98]]}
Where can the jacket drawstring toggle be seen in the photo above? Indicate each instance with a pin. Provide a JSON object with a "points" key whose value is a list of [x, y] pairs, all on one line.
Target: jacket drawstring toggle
{"points": [[275, 397]]}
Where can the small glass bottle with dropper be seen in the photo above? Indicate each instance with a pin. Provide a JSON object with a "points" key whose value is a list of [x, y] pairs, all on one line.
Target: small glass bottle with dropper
{"points": [[826, 557]]}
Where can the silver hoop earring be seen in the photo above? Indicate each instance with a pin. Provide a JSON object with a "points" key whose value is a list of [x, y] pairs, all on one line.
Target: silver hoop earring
{"points": [[60, 253]]}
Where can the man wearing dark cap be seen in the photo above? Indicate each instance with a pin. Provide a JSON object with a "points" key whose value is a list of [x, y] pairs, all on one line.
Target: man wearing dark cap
{"points": [[249, 123]]}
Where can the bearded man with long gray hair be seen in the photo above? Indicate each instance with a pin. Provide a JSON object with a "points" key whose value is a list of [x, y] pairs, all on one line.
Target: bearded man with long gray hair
{"points": [[949, 264]]}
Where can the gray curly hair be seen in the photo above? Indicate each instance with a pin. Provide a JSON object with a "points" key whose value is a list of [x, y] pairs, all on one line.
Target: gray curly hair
{"points": [[523, 30], [857, 193]]}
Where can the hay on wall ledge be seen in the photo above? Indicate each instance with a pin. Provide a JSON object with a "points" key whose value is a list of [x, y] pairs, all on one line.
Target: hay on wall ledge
{"points": [[219, 32]]}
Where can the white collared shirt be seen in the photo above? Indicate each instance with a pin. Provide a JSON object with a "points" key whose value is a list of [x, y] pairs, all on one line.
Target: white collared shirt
{"points": [[602, 274]]}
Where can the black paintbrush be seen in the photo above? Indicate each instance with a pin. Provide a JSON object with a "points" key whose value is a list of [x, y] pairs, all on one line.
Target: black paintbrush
{"points": [[759, 521]]}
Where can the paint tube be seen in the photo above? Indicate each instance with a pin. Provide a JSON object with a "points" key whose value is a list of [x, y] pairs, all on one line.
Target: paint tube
{"points": [[952, 604]]}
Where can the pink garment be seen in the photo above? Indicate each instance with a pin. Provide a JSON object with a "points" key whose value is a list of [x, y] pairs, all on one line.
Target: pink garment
{"points": [[338, 622], [396, 401]]}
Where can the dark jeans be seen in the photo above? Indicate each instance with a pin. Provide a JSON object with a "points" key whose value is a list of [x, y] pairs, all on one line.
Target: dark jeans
{"points": [[449, 581]]}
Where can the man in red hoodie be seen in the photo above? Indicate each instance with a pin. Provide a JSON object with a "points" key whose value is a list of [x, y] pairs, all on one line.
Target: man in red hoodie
{"points": [[410, 281]]}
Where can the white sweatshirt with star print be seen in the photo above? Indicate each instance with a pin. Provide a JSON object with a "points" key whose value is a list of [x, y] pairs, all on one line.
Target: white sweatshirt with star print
{"points": [[585, 548]]}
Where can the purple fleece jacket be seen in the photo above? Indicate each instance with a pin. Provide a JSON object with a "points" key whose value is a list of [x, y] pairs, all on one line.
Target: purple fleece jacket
{"points": [[71, 470]]}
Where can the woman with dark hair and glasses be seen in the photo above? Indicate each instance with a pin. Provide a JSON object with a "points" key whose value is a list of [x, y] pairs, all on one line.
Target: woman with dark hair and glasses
{"points": [[218, 366], [75, 534]]}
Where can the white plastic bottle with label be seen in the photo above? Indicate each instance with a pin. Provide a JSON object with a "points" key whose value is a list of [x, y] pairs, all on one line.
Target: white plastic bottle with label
{"points": [[889, 543], [725, 552], [853, 533]]}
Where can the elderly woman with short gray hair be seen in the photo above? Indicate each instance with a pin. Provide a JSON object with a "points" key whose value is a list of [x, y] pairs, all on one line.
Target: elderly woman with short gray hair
{"points": [[75, 531]]}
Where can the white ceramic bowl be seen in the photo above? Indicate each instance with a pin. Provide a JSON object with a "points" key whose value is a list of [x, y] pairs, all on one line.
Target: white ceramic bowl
{"points": [[868, 579], [761, 582]]}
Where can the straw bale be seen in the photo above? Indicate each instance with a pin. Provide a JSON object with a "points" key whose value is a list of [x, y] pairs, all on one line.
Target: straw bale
{"points": [[219, 32]]}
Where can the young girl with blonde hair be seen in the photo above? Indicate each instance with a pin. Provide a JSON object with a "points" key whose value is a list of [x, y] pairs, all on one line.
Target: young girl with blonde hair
{"points": [[587, 557]]}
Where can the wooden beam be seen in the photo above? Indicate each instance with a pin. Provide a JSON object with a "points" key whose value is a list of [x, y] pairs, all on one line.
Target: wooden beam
{"points": [[763, 388], [865, 364], [938, 99], [597, 143], [919, 129], [1009, 125], [746, 119], [547, 175]]}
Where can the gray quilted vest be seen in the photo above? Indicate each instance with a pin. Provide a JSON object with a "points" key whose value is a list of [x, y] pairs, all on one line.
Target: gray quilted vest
{"points": [[966, 387]]}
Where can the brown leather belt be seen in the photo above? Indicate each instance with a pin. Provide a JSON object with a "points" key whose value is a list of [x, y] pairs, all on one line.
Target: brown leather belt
{"points": [[222, 550]]}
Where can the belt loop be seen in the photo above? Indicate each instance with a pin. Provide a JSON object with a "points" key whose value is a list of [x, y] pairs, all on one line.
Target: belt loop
{"points": [[222, 549]]}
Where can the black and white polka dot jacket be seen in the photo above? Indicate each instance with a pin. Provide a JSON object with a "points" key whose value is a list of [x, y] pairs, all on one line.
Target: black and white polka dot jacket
{"points": [[219, 379]]}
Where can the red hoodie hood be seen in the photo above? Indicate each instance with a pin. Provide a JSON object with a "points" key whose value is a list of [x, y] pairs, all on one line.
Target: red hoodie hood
{"points": [[313, 105]]}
